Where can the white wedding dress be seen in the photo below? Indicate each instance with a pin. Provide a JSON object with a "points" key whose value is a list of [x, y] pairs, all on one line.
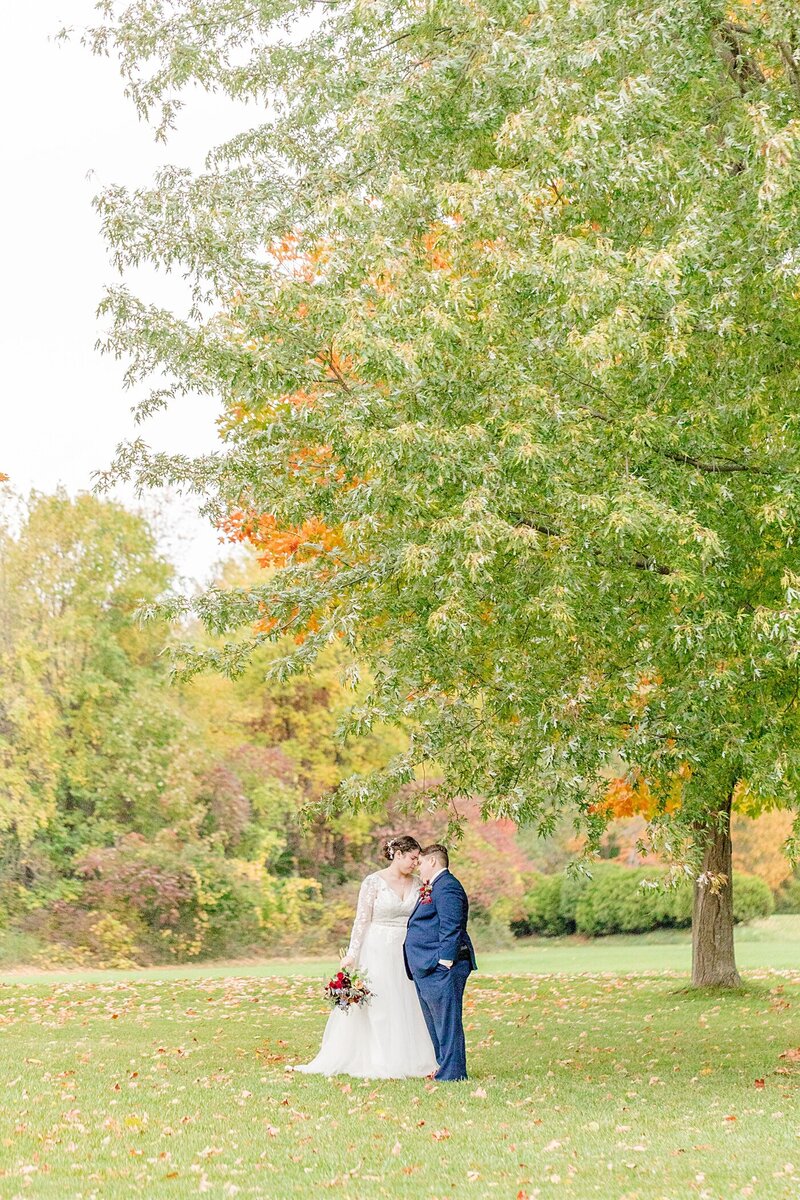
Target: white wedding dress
{"points": [[387, 1038]]}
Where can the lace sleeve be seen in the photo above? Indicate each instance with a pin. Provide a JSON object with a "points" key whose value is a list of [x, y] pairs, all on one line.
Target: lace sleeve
{"points": [[366, 900]]}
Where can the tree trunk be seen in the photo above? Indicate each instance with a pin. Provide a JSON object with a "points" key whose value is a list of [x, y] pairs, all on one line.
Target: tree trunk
{"points": [[713, 959]]}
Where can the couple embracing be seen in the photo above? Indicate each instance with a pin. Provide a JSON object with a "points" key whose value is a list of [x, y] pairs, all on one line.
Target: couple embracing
{"points": [[410, 938]]}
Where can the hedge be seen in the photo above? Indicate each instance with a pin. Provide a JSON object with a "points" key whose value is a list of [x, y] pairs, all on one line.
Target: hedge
{"points": [[613, 900], [787, 898]]}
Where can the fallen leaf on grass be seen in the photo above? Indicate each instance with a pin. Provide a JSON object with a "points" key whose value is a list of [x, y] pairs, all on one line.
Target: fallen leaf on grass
{"points": [[792, 1055], [440, 1135], [759, 1083], [479, 1093]]}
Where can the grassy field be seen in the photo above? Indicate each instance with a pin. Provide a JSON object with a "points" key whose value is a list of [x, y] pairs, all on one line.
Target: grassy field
{"points": [[773, 943], [602, 1084]]}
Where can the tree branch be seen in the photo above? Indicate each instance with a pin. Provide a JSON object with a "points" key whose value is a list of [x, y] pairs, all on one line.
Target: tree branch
{"points": [[401, 37], [744, 71], [650, 564], [545, 530], [792, 66], [713, 467], [337, 374], [641, 562], [709, 466]]}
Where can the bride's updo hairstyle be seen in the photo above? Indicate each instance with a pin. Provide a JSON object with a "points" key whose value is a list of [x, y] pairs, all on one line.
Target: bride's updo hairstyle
{"points": [[399, 845]]}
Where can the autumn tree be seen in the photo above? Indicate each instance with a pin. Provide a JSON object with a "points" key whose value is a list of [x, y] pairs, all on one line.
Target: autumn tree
{"points": [[90, 738], [28, 718], [126, 800], [506, 337]]}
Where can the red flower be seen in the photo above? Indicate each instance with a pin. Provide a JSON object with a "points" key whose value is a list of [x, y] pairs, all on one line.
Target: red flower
{"points": [[343, 991]]}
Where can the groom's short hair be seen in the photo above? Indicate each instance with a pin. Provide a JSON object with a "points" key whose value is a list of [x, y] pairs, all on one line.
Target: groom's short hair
{"points": [[440, 853]]}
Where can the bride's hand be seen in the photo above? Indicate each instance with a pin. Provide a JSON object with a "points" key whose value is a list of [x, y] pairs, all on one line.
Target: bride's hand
{"points": [[346, 962]]}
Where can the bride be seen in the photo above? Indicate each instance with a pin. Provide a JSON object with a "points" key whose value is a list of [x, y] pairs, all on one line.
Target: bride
{"points": [[387, 1038]]}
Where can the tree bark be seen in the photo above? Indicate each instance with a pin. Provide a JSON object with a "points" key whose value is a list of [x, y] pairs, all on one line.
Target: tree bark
{"points": [[713, 958]]}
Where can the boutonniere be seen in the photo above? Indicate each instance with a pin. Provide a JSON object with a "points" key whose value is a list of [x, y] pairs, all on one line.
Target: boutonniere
{"points": [[426, 894]]}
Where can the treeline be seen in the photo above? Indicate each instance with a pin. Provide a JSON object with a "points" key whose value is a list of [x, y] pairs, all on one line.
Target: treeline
{"points": [[144, 821]]}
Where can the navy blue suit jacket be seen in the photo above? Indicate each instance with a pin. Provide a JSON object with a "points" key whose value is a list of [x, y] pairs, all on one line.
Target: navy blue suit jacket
{"points": [[439, 929]]}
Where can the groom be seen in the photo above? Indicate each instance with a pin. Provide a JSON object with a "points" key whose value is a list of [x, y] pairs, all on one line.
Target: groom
{"points": [[439, 957]]}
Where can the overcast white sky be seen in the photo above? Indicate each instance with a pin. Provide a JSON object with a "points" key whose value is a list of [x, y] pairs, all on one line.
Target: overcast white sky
{"points": [[62, 406]]}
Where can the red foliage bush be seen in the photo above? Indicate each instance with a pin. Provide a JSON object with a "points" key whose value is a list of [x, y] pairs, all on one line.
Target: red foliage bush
{"points": [[488, 860], [134, 876], [227, 804]]}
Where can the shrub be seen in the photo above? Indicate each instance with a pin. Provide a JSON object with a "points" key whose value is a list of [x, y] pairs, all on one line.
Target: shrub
{"points": [[490, 932], [752, 898], [61, 923], [116, 940], [614, 900], [175, 898], [787, 897], [573, 886], [17, 947], [542, 912], [77, 937], [182, 898]]}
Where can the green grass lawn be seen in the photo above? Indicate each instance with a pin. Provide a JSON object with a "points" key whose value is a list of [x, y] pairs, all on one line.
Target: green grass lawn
{"points": [[623, 1086], [773, 943]]}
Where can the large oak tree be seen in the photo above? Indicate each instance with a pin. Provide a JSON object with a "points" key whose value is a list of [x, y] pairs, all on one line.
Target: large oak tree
{"points": [[500, 299]]}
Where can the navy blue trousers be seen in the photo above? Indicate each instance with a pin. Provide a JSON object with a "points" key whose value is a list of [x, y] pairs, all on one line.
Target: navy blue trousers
{"points": [[441, 995]]}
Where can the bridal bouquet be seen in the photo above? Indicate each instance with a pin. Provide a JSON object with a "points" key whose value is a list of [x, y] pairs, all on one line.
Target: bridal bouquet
{"points": [[345, 989]]}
